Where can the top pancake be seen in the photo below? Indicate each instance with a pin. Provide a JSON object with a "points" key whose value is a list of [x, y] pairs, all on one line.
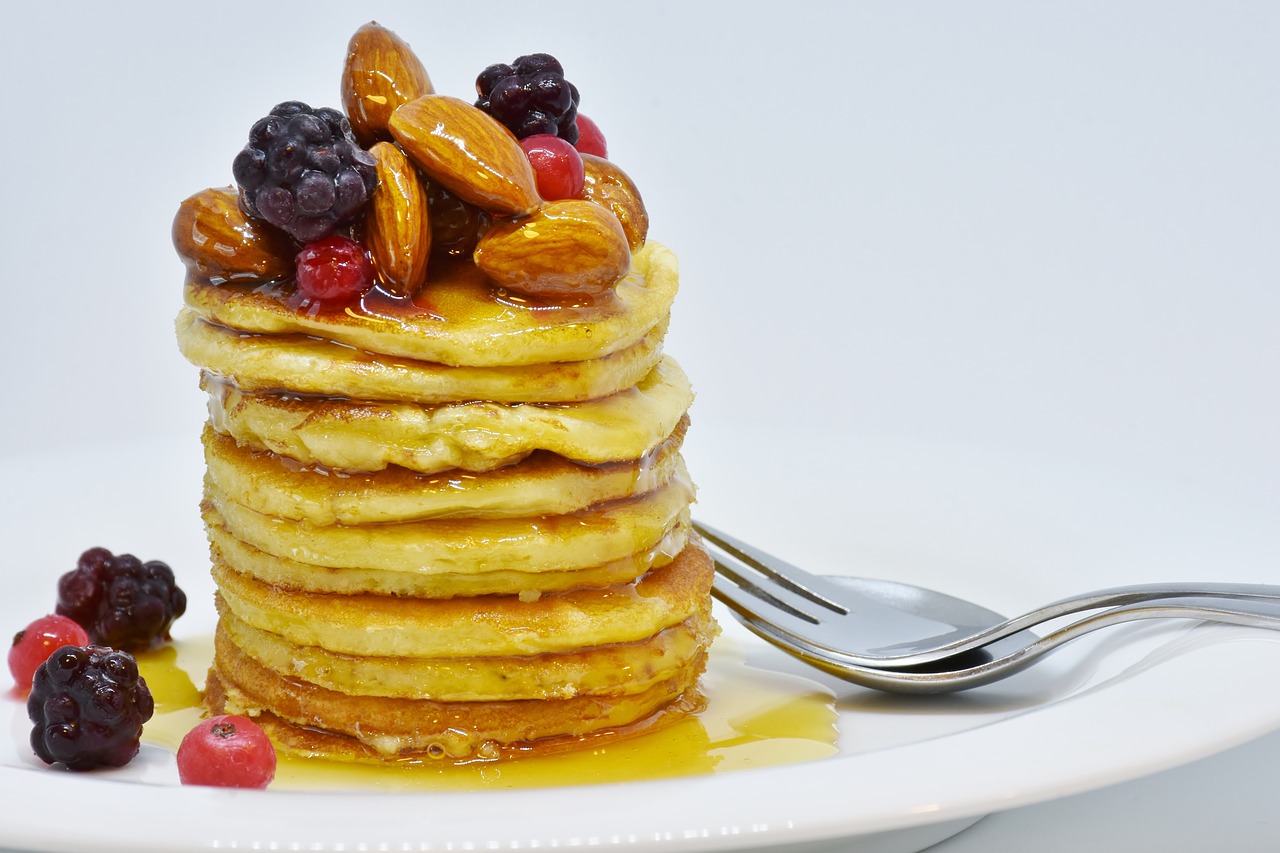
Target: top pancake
{"points": [[460, 319]]}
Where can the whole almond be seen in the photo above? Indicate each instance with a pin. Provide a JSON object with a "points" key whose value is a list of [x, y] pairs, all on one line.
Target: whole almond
{"points": [[380, 74], [608, 185], [467, 151], [398, 230], [567, 248], [218, 242]]}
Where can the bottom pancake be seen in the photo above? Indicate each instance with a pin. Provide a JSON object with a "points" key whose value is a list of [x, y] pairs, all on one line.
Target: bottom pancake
{"points": [[362, 727], [310, 742]]}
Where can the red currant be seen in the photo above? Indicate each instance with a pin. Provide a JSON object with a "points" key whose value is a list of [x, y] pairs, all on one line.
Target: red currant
{"points": [[590, 139], [334, 268], [34, 643], [227, 752], [557, 166]]}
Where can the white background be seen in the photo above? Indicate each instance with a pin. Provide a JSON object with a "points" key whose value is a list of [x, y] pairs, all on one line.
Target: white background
{"points": [[1041, 229]]}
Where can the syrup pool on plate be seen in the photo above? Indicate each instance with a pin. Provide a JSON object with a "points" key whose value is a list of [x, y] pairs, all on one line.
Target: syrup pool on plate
{"points": [[754, 718]]}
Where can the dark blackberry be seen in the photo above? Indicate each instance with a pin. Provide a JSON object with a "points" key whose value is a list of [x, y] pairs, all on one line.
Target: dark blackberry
{"points": [[303, 171], [120, 600], [530, 96], [455, 225], [88, 704]]}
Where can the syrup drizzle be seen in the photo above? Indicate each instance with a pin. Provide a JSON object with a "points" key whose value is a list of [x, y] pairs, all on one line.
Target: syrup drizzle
{"points": [[754, 718]]}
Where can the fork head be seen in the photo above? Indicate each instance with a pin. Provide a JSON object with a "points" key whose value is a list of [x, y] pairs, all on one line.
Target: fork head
{"points": [[867, 622]]}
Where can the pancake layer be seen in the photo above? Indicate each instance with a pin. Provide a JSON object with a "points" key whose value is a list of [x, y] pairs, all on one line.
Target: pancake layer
{"points": [[364, 435], [543, 483], [618, 668], [460, 320], [307, 365]]}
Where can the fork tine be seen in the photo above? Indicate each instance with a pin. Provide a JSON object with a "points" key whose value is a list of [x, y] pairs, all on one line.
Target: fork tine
{"points": [[764, 586], [747, 604], [814, 588], [735, 585]]}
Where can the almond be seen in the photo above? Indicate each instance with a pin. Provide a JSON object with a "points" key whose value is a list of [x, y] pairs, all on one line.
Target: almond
{"points": [[380, 74], [468, 151], [608, 185], [218, 242], [398, 227], [567, 248]]}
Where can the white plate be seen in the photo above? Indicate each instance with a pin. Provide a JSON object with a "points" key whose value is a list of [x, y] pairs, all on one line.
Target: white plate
{"points": [[1010, 533]]}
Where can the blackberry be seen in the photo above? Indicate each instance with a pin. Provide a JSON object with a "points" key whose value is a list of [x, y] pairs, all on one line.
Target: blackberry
{"points": [[455, 225], [88, 704], [120, 600], [530, 96], [303, 171]]}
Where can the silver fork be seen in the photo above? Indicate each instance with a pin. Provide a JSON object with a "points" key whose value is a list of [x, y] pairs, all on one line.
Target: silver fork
{"points": [[888, 626], [1003, 658]]}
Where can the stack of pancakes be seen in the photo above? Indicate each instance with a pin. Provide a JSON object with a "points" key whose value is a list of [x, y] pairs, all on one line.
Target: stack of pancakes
{"points": [[455, 526]]}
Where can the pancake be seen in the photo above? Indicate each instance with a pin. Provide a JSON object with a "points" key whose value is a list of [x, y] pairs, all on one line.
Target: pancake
{"points": [[293, 575], [618, 669], [600, 534], [447, 512], [543, 483], [460, 319], [473, 436], [386, 626], [587, 722], [309, 365]]}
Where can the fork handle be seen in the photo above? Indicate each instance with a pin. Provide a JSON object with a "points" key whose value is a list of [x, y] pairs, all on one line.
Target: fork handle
{"points": [[1118, 596]]}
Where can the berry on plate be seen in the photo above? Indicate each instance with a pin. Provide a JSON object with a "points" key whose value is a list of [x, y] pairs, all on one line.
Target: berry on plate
{"points": [[120, 600], [34, 643], [227, 751], [88, 704]]}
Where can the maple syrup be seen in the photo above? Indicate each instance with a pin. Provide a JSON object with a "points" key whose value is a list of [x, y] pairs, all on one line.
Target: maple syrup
{"points": [[754, 718]]}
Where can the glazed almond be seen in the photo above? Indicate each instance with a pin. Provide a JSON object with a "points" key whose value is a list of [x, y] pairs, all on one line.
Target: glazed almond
{"points": [[469, 152], [398, 230], [608, 185], [567, 248], [218, 242], [380, 74]]}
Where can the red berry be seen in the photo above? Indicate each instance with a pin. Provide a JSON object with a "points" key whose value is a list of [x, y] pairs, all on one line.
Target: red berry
{"points": [[590, 139], [557, 166], [334, 267], [34, 643], [227, 752]]}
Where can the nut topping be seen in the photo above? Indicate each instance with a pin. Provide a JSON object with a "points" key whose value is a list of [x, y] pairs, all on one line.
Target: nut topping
{"points": [[468, 151], [381, 73], [216, 240], [398, 232], [567, 248], [608, 185]]}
